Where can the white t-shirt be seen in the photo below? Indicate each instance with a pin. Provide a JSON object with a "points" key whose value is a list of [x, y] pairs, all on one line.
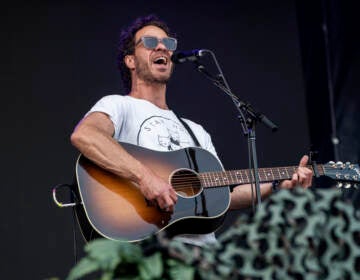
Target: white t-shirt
{"points": [[140, 122]]}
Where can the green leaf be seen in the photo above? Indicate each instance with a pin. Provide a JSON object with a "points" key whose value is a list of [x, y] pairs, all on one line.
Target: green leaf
{"points": [[82, 268], [109, 253], [179, 270], [107, 276], [151, 267]]}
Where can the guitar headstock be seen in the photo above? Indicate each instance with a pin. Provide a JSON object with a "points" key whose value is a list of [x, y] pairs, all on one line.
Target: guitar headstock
{"points": [[346, 174]]}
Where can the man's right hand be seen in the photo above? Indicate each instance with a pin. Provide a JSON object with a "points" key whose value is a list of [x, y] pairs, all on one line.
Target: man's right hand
{"points": [[93, 138], [157, 190]]}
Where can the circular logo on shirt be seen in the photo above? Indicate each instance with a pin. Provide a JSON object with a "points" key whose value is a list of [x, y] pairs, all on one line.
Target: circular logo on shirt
{"points": [[159, 133]]}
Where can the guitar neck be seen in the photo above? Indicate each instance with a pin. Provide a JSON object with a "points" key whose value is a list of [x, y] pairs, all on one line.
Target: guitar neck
{"points": [[245, 176]]}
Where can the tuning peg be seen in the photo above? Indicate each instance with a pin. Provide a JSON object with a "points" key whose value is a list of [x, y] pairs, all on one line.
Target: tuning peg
{"points": [[331, 163], [339, 185], [356, 186], [349, 165], [347, 186]]}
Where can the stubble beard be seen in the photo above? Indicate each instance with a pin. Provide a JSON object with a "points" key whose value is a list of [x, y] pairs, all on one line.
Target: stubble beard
{"points": [[144, 73]]}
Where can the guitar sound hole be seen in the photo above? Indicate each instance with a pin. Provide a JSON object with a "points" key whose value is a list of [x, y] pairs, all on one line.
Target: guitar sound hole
{"points": [[186, 183]]}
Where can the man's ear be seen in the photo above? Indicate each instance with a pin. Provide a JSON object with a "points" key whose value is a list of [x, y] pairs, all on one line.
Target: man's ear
{"points": [[129, 61]]}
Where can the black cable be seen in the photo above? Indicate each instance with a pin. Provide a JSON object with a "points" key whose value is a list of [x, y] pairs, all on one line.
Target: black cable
{"points": [[252, 186], [74, 199], [334, 138]]}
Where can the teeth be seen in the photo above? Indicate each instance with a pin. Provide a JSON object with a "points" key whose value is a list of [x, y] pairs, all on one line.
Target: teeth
{"points": [[160, 60]]}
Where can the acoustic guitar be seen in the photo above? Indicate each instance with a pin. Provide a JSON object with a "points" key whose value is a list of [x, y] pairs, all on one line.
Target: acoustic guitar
{"points": [[114, 208]]}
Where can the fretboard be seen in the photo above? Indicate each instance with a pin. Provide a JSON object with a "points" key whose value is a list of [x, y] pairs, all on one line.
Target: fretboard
{"points": [[245, 176]]}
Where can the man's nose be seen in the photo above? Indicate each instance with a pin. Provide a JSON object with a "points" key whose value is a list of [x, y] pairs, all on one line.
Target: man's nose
{"points": [[160, 46]]}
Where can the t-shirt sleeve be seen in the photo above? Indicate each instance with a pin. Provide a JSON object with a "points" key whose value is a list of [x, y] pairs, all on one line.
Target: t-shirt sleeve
{"points": [[114, 106], [208, 144]]}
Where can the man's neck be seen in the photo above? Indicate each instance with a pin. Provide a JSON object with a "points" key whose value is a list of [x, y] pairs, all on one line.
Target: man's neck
{"points": [[155, 94]]}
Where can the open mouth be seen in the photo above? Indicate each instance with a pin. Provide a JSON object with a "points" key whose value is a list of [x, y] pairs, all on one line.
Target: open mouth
{"points": [[161, 60]]}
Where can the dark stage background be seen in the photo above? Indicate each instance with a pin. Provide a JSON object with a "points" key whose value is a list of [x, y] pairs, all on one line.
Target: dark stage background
{"points": [[60, 57]]}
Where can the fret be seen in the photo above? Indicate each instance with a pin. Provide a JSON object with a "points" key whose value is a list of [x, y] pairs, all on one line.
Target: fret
{"points": [[243, 179], [249, 175], [265, 174], [215, 178], [207, 179], [269, 177], [225, 178], [202, 179], [243, 176], [272, 173], [239, 177], [233, 181], [235, 178], [276, 173], [232, 177], [278, 170], [280, 174], [287, 173], [261, 174], [211, 180]]}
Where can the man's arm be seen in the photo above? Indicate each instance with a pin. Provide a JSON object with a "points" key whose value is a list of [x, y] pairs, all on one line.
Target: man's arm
{"points": [[241, 195], [93, 138]]}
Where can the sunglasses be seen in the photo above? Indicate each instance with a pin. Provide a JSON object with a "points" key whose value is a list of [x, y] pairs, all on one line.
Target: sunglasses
{"points": [[151, 42]]}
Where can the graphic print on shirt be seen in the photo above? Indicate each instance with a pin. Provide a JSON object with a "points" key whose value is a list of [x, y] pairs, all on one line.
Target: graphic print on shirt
{"points": [[160, 133]]}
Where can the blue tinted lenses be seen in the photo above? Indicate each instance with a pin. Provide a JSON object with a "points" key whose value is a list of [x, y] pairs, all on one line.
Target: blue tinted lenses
{"points": [[151, 42]]}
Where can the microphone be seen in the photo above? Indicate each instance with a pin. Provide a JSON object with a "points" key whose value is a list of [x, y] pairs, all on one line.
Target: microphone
{"points": [[183, 56]]}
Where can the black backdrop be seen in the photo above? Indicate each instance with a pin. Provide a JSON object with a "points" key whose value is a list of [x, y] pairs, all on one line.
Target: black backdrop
{"points": [[59, 58], [330, 48]]}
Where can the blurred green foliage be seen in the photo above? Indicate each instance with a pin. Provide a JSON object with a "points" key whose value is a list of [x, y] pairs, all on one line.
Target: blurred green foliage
{"points": [[296, 234]]}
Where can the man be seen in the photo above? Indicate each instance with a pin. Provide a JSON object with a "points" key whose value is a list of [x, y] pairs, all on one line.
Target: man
{"points": [[143, 118]]}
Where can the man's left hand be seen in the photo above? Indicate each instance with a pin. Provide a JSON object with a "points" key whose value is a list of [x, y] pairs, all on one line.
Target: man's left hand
{"points": [[302, 177]]}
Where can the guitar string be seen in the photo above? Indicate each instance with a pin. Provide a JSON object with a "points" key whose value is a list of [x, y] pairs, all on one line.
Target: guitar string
{"points": [[245, 173], [273, 169], [225, 177], [179, 182]]}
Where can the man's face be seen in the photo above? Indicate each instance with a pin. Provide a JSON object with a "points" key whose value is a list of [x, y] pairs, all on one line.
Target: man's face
{"points": [[152, 65]]}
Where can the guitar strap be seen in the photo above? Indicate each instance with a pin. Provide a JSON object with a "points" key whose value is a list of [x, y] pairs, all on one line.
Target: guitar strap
{"points": [[193, 163], [187, 127]]}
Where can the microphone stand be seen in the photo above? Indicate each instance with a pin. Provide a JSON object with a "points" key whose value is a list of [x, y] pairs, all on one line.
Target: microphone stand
{"points": [[247, 115]]}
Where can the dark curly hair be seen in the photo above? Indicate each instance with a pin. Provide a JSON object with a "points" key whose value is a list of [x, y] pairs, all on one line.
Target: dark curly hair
{"points": [[127, 44]]}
